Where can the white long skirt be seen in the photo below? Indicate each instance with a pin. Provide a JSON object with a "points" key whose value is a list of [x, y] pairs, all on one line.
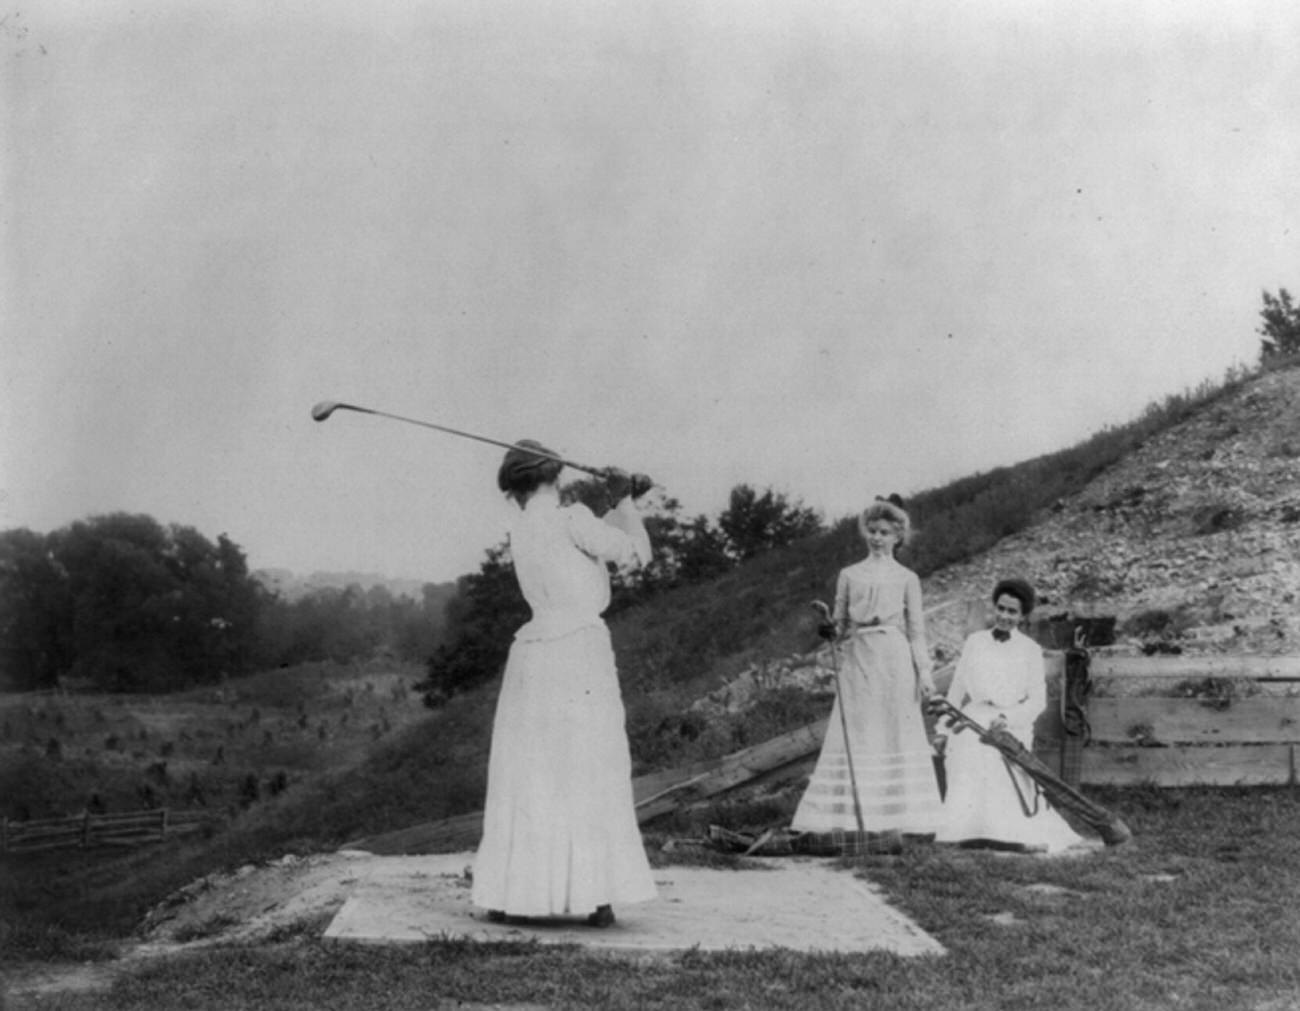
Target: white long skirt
{"points": [[982, 804], [891, 759], [560, 834]]}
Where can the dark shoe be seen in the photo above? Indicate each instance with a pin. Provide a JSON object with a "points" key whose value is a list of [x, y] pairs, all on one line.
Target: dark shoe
{"points": [[602, 917], [496, 916]]}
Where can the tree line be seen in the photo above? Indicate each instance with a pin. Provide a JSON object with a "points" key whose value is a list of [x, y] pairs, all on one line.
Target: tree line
{"points": [[488, 607], [121, 602], [124, 603], [1280, 330]]}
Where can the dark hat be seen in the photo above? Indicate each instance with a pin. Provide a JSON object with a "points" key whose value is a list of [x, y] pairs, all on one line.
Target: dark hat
{"points": [[525, 470], [1019, 589]]}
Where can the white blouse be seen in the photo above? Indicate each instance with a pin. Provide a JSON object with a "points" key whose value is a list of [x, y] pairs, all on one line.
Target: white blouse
{"points": [[869, 594], [1001, 679], [560, 554]]}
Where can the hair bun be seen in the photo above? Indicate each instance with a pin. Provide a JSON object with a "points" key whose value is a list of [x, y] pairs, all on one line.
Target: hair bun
{"points": [[522, 470]]}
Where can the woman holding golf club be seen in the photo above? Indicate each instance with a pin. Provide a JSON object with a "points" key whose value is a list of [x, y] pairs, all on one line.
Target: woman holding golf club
{"points": [[875, 772], [999, 683], [560, 834]]}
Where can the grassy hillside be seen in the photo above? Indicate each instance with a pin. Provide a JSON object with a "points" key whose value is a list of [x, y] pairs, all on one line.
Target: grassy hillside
{"points": [[423, 766], [352, 779], [686, 642], [218, 749]]}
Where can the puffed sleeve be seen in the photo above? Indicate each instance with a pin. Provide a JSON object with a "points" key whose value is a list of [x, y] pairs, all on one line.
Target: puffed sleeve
{"points": [[957, 690], [620, 537], [840, 612], [914, 618]]}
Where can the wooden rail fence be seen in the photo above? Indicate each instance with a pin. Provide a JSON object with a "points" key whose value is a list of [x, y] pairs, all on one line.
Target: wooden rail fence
{"points": [[130, 828]]}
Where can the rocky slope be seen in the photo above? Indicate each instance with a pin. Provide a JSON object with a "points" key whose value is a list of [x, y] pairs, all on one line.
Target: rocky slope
{"points": [[1192, 541]]}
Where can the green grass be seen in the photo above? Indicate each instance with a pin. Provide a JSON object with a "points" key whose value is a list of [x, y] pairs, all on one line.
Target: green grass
{"points": [[1200, 913], [60, 754], [59, 902], [684, 642], [393, 764]]}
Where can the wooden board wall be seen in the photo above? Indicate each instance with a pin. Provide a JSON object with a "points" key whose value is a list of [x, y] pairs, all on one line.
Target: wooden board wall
{"points": [[1243, 731]]}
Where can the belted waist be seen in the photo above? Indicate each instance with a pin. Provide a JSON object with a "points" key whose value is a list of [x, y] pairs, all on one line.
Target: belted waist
{"points": [[557, 624], [874, 626]]}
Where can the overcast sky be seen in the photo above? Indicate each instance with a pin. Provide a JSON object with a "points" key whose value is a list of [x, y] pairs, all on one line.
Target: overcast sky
{"points": [[838, 249]]}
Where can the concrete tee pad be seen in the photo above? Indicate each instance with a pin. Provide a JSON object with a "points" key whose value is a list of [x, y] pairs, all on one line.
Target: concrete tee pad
{"points": [[800, 903]]}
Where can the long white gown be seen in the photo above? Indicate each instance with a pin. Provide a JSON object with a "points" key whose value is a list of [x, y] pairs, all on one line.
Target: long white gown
{"points": [[880, 663], [560, 834], [998, 679]]}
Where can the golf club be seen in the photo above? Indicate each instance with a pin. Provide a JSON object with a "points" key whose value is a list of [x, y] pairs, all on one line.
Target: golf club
{"points": [[327, 407], [822, 609]]}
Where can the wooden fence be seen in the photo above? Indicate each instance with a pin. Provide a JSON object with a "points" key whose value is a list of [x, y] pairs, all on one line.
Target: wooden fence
{"points": [[1173, 720], [130, 828]]}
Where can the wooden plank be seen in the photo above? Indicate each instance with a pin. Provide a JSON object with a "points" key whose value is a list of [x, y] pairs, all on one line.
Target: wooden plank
{"points": [[715, 775], [125, 828], [120, 835], [1255, 720], [31, 828], [1285, 668], [39, 847], [659, 793], [41, 823], [1231, 765], [789, 773], [653, 783], [769, 754], [134, 828], [738, 768], [445, 836], [128, 817], [36, 831]]}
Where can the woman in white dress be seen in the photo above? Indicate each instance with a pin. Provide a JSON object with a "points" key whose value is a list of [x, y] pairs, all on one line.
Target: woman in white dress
{"points": [[560, 834], [884, 673], [999, 683]]}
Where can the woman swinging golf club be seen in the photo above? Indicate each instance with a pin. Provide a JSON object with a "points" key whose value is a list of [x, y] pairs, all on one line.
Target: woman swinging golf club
{"points": [[560, 833]]}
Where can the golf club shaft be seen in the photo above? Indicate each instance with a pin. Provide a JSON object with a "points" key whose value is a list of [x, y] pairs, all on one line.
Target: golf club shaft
{"points": [[840, 702], [324, 409]]}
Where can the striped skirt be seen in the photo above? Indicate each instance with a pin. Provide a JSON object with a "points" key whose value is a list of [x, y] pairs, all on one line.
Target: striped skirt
{"points": [[886, 754]]}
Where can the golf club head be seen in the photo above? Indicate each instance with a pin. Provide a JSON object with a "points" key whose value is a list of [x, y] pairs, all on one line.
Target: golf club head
{"points": [[324, 409]]}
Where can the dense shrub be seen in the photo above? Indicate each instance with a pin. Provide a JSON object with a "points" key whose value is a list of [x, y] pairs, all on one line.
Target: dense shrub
{"points": [[1281, 329], [127, 604]]}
